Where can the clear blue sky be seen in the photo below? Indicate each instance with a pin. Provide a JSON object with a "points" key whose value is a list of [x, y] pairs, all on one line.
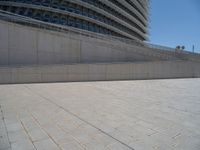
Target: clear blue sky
{"points": [[175, 22]]}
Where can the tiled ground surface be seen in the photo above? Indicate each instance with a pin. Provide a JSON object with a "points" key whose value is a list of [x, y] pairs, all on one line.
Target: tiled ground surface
{"points": [[123, 115]]}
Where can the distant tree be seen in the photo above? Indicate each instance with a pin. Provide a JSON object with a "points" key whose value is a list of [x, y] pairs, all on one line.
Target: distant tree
{"points": [[178, 47]]}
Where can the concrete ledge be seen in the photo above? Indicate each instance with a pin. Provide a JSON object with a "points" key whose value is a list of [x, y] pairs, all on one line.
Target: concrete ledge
{"points": [[99, 72]]}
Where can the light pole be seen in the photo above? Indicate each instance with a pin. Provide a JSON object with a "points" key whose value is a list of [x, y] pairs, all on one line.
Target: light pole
{"points": [[193, 48]]}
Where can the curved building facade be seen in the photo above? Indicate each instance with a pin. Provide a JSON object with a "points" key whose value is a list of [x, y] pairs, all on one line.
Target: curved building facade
{"points": [[121, 18]]}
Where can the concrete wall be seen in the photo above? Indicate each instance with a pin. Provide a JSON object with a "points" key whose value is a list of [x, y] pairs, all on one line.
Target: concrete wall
{"points": [[99, 72], [26, 45]]}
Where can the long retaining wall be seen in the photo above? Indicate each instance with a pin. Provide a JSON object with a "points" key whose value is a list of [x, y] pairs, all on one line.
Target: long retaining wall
{"points": [[100, 72], [24, 45]]}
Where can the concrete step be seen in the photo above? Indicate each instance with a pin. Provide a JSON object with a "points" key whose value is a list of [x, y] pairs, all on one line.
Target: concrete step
{"points": [[99, 72]]}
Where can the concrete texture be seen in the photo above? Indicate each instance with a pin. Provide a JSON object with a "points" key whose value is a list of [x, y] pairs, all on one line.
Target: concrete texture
{"points": [[23, 45], [120, 115], [100, 71]]}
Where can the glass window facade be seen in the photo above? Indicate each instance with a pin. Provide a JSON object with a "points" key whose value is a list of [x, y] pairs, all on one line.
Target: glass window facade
{"points": [[91, 15]]}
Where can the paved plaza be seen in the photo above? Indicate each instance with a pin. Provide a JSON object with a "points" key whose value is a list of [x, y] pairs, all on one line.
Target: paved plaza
{"points": [[115, 115]]}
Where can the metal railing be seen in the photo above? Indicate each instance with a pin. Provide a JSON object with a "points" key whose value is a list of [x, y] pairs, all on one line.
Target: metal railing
{"points": [[165, 48], [154, 46]]}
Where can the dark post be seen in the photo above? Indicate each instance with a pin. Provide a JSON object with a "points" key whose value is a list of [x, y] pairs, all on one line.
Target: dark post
{"points": [[193, 48]]}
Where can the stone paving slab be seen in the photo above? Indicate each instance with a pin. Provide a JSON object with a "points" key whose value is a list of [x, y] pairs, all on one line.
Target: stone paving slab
{"points": [[117, 115]]}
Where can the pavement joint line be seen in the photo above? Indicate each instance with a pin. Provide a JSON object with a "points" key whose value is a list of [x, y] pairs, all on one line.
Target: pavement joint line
{"points": [[112, 94], [28, 134], [71, 113], [45, 130], [176, 136], [81, 144], [3, 118]]}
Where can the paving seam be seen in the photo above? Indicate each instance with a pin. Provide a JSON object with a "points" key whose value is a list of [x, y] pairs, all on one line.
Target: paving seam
{"points": [[1, 111], [38, 123], [28, 135], [76, 116]]}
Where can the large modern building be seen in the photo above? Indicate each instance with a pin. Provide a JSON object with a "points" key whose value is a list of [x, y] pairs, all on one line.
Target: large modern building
{"points": [[84, 40], [121, 18]]}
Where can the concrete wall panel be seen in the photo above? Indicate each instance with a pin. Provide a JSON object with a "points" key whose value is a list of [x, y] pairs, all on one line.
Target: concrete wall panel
{"points": [[22, 46], [196, 69], [78, 72], [67, 50], [5, 75], [26, 78], [22, 57], [54, 77], [87, 52], [22, 39], [45, 42], [99, 72], [4, 36], [4, 57], [45, 58]]}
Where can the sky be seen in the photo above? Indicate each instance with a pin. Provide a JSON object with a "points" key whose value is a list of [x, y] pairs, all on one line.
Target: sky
{"points": [[175, 22]]}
